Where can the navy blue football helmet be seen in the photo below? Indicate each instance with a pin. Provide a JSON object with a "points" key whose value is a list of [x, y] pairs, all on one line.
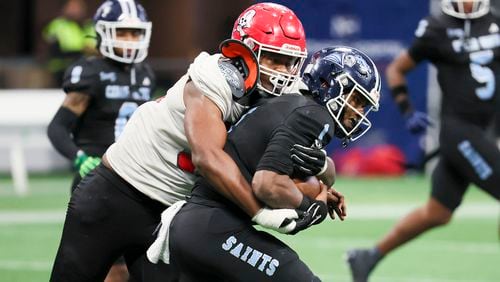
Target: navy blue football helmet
{"points": [[343, 78], [122, 14]]}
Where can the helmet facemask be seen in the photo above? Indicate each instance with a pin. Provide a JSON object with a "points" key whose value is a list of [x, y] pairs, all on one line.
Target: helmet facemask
{"points": [[279, 81], [352, 93], [132, 51], [458, 9]]}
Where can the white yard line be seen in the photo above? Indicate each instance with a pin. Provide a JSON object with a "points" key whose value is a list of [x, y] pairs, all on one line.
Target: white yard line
{"points": [[25, 265], [32, 217], [324, 243], [395, 211], [355, 212]]}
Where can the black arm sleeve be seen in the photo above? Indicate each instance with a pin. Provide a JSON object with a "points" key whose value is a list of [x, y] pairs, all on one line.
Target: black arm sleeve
{"points": [[59, 132]]}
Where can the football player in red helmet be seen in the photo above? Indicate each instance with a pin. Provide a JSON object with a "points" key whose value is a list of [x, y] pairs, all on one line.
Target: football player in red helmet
{"points": [[278, 39]]}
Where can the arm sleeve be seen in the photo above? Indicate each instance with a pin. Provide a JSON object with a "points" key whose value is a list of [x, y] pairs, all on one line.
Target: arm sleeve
{"points": [[426, 38], [82, 77], [59, 132], [303, 126]]}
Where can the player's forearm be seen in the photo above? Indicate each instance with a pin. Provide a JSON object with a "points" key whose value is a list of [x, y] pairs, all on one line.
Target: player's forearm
{"points": [[59, 132], [275, 190], [221, 171], [396, 79], [328, 177]]}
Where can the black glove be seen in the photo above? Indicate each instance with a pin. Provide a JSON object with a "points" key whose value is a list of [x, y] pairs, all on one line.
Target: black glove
{"points": [[308, 161], [314, 214]]}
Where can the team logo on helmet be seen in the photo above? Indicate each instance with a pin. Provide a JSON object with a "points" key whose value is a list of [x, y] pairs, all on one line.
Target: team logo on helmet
{"points": [[245, 22], [334, 58], [105, 9], [364, 68]]}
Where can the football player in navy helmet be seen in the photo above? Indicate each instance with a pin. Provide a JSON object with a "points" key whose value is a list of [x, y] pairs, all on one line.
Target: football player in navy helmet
{"points": [[211, 238], [463, 44], [335, 77], [103, 91], [332, 71]]}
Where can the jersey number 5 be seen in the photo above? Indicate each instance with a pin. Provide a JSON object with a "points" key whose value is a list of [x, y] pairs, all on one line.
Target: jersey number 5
{"points": [[483, 74], [125, 112]]}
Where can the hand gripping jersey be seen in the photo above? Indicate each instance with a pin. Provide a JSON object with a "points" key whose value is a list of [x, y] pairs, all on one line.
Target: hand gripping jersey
{"points": [[466, 54], [153, 145], [116, 90]]}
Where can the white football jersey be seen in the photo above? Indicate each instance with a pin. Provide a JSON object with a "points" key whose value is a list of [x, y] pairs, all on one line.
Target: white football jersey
{"points": [[146, 153]]}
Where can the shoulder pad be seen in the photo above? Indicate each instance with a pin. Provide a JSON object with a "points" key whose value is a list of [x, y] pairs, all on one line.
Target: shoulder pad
{"points": [[233, 77]]}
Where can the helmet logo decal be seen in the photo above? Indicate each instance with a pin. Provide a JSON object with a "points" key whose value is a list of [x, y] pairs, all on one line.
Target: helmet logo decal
{"points": [[106, 8], [334, 58], [291, 47], [245, 22], [349, 60], [364, 68]]}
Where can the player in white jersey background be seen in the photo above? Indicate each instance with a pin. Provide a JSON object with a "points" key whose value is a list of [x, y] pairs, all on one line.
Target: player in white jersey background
{"points": [[115, 209]]}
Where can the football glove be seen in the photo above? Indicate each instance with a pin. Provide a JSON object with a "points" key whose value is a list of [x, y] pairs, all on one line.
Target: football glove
{"points": [[417, 122], [84, 163], [309, 161], [315, 214]]}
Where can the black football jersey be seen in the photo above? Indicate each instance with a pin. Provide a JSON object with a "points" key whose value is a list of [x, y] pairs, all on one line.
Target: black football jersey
{"points": [[116, 90], [264, 135], [467, 59]]}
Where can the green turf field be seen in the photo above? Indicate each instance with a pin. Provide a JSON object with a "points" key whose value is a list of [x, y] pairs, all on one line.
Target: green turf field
{"points": [[467, 250]]}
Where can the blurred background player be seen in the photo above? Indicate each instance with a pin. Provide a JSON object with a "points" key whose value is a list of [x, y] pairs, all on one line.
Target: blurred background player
{"points": [[103, 91], [68, 36], [343, 86], [463, 45], [149, 167]]}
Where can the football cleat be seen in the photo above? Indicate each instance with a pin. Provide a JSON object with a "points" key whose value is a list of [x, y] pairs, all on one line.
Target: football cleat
{"points": [[361, 263]]}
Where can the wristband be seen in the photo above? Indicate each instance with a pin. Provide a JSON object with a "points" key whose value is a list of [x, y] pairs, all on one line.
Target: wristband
{"points": [[403, 104], [305, 204], [398, 90]]}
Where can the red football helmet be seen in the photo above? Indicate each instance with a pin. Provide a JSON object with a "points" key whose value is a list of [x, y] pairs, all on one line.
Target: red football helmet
{"points": [[273, 28]]}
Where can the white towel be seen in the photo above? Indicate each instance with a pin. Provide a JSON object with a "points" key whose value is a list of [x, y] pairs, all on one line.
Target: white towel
{"points": [[159, 250]]}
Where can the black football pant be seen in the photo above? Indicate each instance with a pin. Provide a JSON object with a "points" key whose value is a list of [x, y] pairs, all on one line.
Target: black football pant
{"points": [[106, 218], [210, 243], [468, 156]]}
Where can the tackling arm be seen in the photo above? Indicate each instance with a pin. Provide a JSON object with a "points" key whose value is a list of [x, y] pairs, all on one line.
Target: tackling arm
{"points": [[276, 190], [279, 191], [206, 134]]}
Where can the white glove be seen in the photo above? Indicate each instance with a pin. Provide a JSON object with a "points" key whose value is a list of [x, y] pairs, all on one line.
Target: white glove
{"points": [[281, 220]]}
